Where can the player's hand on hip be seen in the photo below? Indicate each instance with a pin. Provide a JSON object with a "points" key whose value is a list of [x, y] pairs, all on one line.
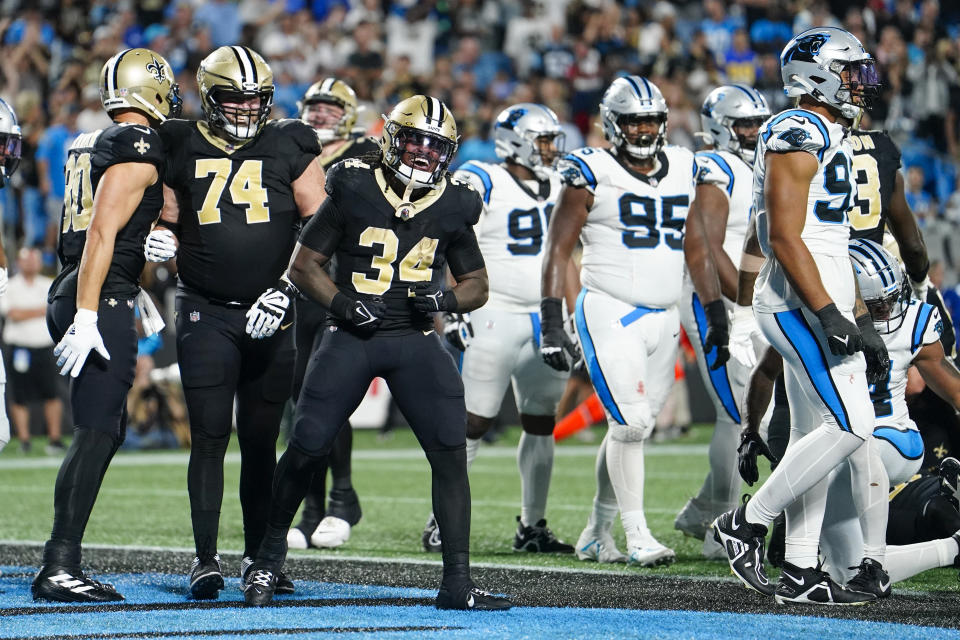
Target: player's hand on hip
{"points": [[555, 344], [874, 350], [429, 298], [3, 281], [718, 334], [458, 330], [80, 339], [267, 313], [364, 314], [160, 245], [843, 336], [751, 446]]}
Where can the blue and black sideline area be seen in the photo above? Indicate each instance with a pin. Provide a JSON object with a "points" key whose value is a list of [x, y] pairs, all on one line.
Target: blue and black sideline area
{"points": [[394, 599]]}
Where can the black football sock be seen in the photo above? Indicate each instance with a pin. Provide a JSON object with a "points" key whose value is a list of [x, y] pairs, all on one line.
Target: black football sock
{"points": [[205, 484], [258, 459], [313, 503], [78, 483], [451, 507], [340, 459], [295, 471]]}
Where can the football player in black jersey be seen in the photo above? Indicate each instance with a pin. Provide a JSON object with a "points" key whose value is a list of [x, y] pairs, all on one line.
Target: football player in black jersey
{"points": [[235, 191], [393, 222], [330, 107], [113, 195]]}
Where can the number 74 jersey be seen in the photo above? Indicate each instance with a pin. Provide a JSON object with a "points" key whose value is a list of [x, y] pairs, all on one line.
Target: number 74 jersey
{"points": [[633, 236], [512, 232]]}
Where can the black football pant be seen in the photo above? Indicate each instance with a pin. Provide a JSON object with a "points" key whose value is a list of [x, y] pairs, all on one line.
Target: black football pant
{"points": [[424, 382], [98, 398], [309, 331], [219, 363]]}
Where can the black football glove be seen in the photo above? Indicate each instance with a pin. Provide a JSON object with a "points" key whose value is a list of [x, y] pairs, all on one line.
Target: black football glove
{"points": [[843, 337], [874, 350], [363, 314], [458, 330], [429, 298], [752, 445], [555, 343], [718, 333]]}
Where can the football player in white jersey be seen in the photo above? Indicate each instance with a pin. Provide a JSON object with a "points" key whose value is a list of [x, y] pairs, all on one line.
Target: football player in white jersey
{"points": [[628, 206], [804, 302], [731, 119], [518, 196]]}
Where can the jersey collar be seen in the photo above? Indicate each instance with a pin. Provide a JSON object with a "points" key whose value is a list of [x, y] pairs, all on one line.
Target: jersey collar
{"points": [[223, 145], [395, 201], [653, 179]]}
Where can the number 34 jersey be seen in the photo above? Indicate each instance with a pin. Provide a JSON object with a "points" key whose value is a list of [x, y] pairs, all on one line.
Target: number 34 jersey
{"points": [[633, 236], [826, 228], [512, 232], [238, 216], [88, 158]]}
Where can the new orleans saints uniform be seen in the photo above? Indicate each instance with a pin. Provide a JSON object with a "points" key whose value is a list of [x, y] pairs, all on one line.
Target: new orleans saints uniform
{"points": [[875, 162]]}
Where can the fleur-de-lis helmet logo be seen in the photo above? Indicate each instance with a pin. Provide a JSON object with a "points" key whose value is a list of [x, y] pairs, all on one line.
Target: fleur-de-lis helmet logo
{"points": [[158, 69]]}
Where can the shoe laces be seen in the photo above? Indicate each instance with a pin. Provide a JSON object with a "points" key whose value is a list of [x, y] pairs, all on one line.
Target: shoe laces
{"points": [[262, 578]]}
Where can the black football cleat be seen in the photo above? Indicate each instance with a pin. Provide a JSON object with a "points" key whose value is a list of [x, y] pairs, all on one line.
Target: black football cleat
{"points": [[431, 536], [284, 584], [65, 584], [344, 504], [468, 597], [206, 578], [870, 578], [743, 543], [259, 589], [812, 586], [949, 473], [538, 539], [777, 546]]}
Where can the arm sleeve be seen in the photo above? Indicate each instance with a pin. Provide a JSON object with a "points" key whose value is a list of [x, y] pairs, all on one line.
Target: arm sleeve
{"points": [[463, 254], [325, 229]]}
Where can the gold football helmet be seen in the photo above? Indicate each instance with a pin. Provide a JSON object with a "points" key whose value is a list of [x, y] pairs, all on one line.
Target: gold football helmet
{"points": [[335, 92], [419, 140], [236, 92], [140, 79]]}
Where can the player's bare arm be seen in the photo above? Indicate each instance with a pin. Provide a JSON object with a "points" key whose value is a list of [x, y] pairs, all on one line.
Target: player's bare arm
{"points": [[903, 226], [471, 290], [307, 272], [308, 191], [750, 262], [569, 216], [715, 210], [118, 195], [939, 373], [758, 393], [162, 242], [696, 252]]}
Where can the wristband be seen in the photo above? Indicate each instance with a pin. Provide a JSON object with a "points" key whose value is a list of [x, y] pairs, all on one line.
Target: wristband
{"points": [[716, 313], [341, 306], [551, 313]]}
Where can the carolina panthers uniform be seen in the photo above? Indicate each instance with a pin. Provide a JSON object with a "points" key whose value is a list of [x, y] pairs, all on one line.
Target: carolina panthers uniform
{"points": [[237, 227], [98, 395], [632, 273], [381, 256], [506, 343]]}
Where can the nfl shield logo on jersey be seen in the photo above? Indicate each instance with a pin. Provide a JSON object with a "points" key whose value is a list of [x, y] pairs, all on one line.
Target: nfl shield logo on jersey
{"points": [[194, 316]]}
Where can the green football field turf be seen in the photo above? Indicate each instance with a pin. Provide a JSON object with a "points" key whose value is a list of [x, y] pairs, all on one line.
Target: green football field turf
{"points": [[143, 502]]}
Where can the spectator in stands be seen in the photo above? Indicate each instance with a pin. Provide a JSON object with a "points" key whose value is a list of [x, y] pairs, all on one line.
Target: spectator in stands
{"points": [[31, 371], [740, 62], [51, 156], [921, 203]]}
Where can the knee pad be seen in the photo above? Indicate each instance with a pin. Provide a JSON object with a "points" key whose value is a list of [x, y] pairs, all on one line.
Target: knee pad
{"points": [[627, 433]]}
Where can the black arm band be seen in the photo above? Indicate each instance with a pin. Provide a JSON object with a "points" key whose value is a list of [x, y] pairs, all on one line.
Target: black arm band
{"points": [[921, 275], [173, 226], [865, 322], [716, 314], [286, 287], [341, 305], [551, 314]]}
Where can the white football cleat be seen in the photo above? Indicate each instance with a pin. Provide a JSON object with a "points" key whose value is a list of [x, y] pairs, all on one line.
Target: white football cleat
{"points": [[644, 550], [598, 546], [296, 539], [331, 533]]}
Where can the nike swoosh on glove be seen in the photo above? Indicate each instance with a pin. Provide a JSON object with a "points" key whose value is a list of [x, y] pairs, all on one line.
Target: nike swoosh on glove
{"points": [[874, 350], [363, 314], [718, 334], [266, 314], [555, 345], [429, 298], [752, 445], [160, 245], [80, 339], [843, 337], [458, 330]]}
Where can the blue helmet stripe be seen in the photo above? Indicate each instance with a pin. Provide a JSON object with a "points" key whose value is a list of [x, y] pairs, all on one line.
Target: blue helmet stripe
{"points": [[878, 265], [636, 87]]}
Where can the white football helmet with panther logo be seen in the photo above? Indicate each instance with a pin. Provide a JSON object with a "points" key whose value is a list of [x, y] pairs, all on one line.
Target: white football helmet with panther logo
{"points": [[10, 142], [517, 130], [633, 96], [814, 61], [881, 283], [730, 105]]}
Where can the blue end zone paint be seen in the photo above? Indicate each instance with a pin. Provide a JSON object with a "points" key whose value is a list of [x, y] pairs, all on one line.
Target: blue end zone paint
{"points": [[907, 441], [242, 623], [718, 377], [593, 365]]}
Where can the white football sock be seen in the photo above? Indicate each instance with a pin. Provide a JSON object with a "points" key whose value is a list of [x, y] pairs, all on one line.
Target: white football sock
{"points": [[605, 506], [721, 488], [4, 420], [869, 488], [473, 447], [535, 461], [908, 560]]}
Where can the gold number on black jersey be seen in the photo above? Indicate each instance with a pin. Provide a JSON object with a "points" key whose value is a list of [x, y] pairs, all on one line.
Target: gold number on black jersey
{"points": [[865, 214], [415, 266], [78, 193], [246, 189]]}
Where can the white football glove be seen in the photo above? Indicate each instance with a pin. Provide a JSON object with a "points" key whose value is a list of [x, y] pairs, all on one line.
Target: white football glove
{"points": [[3, 281], [920, 289], [160, 246], [741, 336], [266, 314], [458, 330], [81, 338]]}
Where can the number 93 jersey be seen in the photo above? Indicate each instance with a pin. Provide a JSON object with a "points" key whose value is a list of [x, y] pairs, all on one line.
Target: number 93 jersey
{"points": [[826, 229], [511, 232], [633, 236], [876, 160], [238, 216], [88, 158]]}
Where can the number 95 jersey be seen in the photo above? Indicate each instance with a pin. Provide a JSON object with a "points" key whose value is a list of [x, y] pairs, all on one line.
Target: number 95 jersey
{"points": [[511, 232], [633, 236]]}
